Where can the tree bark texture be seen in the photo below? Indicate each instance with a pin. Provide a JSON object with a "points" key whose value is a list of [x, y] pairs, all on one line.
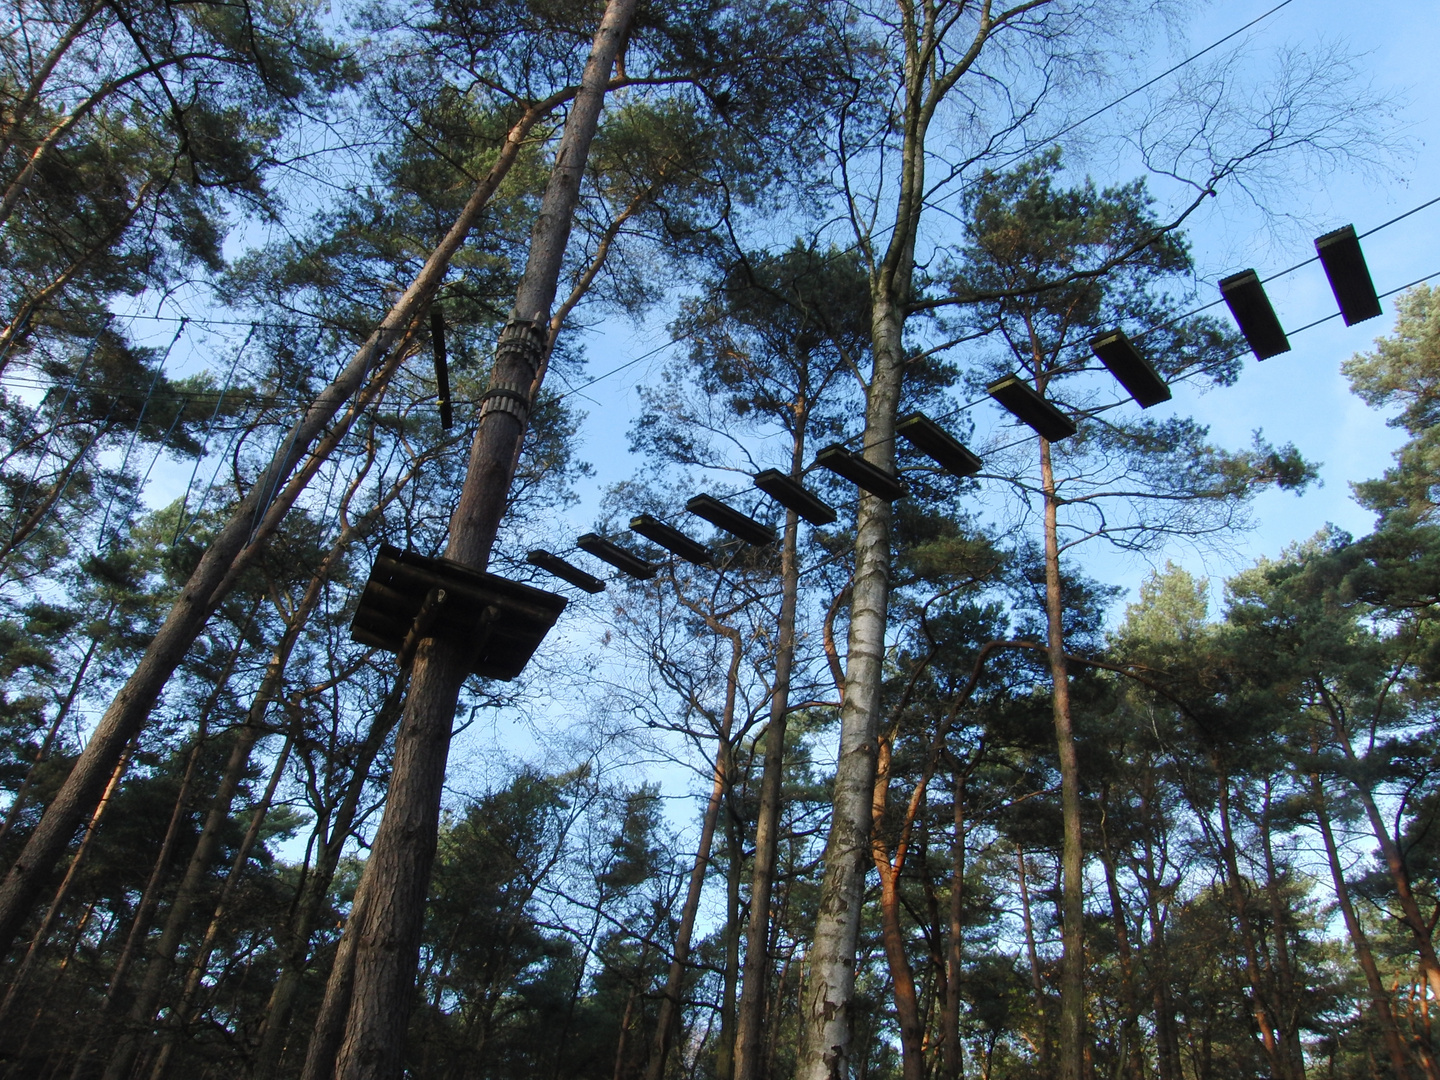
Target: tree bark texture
{"points": [[388, 937], [830, 989]]}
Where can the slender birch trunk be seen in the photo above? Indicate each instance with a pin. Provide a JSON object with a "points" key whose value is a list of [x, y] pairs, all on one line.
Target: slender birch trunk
{"points": [[826, 1001], [398, 871]]}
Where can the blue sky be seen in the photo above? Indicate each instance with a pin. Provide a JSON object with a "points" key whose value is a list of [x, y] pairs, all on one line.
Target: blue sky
{"points": [[1299, 397]]}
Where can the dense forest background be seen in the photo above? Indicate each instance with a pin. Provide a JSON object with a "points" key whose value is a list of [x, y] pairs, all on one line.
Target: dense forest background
{"points": [[1190, 836]]}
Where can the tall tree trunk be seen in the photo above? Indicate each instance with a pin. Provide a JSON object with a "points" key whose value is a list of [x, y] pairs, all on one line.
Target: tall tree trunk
{"points": [[953, 1054], [1289, 1003], [236, 546], [826, 1000], [1072, 857], [47, 924], [1128, 1056], [317, 887], [1238, 899], [1379, 997], [670, 998], [398, 870], [749, 1036], [1037, 979], [179, 1017]]}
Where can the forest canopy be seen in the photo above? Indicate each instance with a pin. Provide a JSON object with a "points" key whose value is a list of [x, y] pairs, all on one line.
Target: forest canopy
{"points": [[868, 772]]}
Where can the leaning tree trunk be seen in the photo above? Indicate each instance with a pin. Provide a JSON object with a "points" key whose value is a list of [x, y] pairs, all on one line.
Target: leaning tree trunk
{"points": [[1072, 856], [234, 548], [47, 924], [398, 871]]}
